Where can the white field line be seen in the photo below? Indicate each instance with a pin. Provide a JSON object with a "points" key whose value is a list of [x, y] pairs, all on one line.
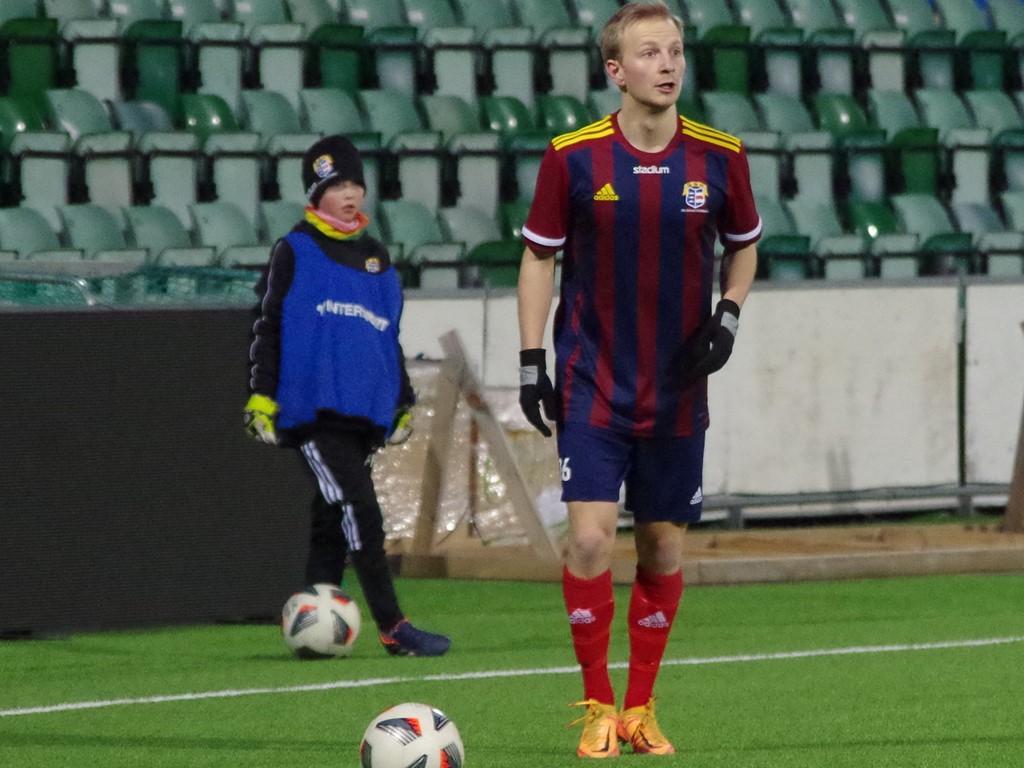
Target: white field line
{"points": [[504, 673]]}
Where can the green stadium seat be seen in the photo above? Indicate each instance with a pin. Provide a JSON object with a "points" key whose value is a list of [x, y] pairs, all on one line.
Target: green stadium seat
{"points": [[283, 142], [416, 231], [25, 231], [18, 9], [450, 115], [813, 166], [206, 114], [390, 113], [255, 14], [1000, 248], [277, 217], [69, 10], [512, 216], [783, 252], [894, 252], [506, 115], [862, 146], [593, 15], [829, 43], [841, 255], [969, 159], [127, 12], [153, 56], [312, 14], [338, 57], [994, 110], [765, 158], [469, 225], [330, 111], [392, 40], [943, 249], [95, 231], [218, 63], [496, 262], [730, 112], [724, 53], [235, 170], [931, 45], [783, 112], [193, 13], [561, 113], [279, 55], [170, 169], [268, 113], [159, 231], [943, 109], [139, 117], [1012, 204], [44, 171], [475, 154], [222, 225], [1008, 15], [706, 14], [29, 58], [104, 154], [915, 147], [94, 53]]}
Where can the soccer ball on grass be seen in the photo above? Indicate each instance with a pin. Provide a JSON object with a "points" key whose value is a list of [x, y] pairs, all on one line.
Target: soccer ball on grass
{"points": [[411, 735], [319, 622]]}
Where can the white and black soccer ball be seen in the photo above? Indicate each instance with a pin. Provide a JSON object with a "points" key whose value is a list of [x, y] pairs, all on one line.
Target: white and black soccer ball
{"points": [[411, 735], [319, 622]]}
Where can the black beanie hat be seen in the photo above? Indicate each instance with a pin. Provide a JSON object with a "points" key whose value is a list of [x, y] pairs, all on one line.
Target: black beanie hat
{"points": [[330, 160]]}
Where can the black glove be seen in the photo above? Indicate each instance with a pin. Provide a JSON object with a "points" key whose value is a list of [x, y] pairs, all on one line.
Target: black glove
{"points": [[535, 388], [712, 344]]}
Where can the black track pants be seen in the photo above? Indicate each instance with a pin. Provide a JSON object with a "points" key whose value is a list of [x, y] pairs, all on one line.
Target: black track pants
{"points": [[347, 521]]}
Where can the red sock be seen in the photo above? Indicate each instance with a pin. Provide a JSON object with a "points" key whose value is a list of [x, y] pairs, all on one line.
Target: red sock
{"points": [[590, 604], [652, 609]]}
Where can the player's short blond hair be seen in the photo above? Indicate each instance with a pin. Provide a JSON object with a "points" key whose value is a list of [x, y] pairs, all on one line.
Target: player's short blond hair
{"points": [[629, 14]]}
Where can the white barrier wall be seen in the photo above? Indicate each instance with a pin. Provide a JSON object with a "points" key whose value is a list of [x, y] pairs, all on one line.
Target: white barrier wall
{"points": [[829, 388], [994, 380]]}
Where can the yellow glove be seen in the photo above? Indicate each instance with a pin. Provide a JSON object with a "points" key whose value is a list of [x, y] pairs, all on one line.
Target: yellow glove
{"points": [[259, 416], [401, 427]]}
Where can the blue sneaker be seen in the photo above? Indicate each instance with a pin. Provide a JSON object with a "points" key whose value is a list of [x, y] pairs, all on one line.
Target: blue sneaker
{"points": [[406, 640]]}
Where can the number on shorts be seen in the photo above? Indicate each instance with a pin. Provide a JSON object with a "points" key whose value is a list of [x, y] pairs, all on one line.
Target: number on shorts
{"points": [[563, 465]]}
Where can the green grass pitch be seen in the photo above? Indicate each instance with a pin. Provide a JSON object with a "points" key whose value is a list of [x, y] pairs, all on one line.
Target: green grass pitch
{"points": [[903, 672]]}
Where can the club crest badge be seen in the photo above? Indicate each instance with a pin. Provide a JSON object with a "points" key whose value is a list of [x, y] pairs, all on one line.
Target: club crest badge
{"points": [[323, 166], [695, 194]]}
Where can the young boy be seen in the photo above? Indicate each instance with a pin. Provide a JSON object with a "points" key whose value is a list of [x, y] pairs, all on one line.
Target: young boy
{"points": [[328, 378], [636, 202]]}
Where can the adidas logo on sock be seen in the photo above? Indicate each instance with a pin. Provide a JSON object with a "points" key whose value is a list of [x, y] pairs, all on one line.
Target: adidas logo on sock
{"points": [[654, 621], [581, 616], [606, 193]]}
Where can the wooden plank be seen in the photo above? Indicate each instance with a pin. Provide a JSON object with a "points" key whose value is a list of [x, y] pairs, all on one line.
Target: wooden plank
{"points": [[500, 451], [446, 399]]}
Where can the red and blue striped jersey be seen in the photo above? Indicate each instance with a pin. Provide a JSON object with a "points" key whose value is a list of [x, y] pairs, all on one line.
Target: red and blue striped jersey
{"points": [[638, 232]]}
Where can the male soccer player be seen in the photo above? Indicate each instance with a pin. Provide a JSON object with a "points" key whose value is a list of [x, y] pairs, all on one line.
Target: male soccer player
{"points": [[635, 202]]}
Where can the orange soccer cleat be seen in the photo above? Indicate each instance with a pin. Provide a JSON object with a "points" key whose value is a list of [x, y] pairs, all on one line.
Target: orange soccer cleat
{"points": [[638, 726], [600, 726]]}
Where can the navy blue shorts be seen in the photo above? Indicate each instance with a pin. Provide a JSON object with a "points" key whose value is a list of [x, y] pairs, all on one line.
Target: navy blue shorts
{"points": [[662, 474]]}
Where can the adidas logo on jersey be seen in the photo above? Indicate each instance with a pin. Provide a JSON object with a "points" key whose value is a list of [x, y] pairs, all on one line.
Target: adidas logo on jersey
{"points": [[654, 621], [697, 498], [581, 616], [606, 193]]}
